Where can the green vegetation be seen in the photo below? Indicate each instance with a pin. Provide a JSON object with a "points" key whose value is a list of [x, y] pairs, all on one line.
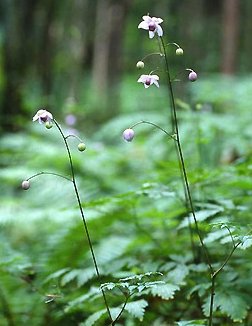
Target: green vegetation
{"points": [[162, 251], [133, 200]]}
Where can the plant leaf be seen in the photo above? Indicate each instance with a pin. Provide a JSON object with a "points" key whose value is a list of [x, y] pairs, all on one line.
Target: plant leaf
{"points": [[137, 308], [165, 291]]}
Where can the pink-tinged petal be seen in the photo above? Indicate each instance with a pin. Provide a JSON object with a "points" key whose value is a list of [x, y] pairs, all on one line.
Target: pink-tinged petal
{"points": [[155, 77], [143, 25], [142, 78], [151, 34], [159, 30], [147, 18], [157, 20]]}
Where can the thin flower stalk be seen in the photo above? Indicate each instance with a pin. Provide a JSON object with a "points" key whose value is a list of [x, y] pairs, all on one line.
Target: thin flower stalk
{"points": [[83, 216], [181, 156]]}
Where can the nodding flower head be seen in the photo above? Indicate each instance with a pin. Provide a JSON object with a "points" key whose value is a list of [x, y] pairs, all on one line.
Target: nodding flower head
{"points": [[25, 185], [148, 80], [152, 24], [128, 134], [140, 65], [43, 116], [192, 76]]}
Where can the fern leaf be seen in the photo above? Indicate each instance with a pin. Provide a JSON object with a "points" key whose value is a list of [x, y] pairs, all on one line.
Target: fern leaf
{"points": [[137, 308], [164, 291]]}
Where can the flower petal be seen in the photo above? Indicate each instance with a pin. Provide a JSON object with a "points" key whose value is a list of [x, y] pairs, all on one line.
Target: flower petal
{"points": [[151, 34], [142, 78], [155, 82], [155, 77], [159, 30], [157, 20], [146, 86], [147, 18], [143, 25]]}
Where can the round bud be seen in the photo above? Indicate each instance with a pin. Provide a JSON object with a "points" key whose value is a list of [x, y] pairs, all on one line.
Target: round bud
{"points": [[48, 125], [140, 65], [81, 147], [25, 185], [128, 134], [198, 106], [192, 76], [179, 51]]}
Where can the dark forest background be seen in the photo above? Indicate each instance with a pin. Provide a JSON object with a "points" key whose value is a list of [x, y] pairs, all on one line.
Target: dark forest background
{"points": [[74, 55]]}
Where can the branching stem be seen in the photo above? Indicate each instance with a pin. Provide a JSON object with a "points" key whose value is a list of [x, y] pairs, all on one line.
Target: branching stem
{"points": [[83, 216], [181, 157]]}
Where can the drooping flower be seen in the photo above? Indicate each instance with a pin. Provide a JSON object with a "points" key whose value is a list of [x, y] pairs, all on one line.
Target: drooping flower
{"points": [[179, 52], [192, 76], [81, 147], [43, 116], [128, 134], [151, 24], [140, 65], [25, 185], [148, 80]]}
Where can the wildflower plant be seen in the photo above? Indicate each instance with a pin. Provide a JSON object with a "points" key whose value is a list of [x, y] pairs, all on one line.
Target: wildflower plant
{"points": [[152, 26], [167, 278]]}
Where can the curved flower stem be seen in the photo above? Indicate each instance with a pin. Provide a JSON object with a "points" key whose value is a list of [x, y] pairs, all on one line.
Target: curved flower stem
{"points": [[181, 157], [74, 136], [50, 173], [155, 125], [82, 215], [150, 54]]}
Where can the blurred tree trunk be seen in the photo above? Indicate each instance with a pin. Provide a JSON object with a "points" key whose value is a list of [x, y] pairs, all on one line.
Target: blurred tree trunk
{"points": [[16, 56], [46, 48], [108, 43], [230, 38]]}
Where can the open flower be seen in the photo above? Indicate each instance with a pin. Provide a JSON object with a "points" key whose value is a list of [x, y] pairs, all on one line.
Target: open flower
{"points": [[43, 116], [151, 24], [148, 80]]}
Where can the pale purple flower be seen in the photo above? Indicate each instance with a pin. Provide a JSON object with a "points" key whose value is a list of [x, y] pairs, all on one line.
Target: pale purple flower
{"points": [[151, 24], [192, 76], [148, 80], [25, 185], [128, 134], [43, 116], [70, 119]]}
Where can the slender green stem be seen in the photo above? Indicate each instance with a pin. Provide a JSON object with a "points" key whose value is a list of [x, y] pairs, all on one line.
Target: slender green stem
{"points": [[122, 310], [50, 173], [74, 136], [226, 260], [155, 125], [83, 216], [213, 277], [181, 157]]}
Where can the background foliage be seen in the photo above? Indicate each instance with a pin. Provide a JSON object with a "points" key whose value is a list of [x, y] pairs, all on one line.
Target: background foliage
{"points": [[131, 193]]}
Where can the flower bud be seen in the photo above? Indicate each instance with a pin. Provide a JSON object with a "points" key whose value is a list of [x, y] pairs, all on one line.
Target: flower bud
{"points": [[179, 51], [192, 76], [140, 65], [25, 185], [128, 134], [81, 147], [48, 125]]}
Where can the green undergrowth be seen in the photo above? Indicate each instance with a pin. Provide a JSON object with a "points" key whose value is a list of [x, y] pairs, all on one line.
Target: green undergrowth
{"points": [[133, 200]]}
